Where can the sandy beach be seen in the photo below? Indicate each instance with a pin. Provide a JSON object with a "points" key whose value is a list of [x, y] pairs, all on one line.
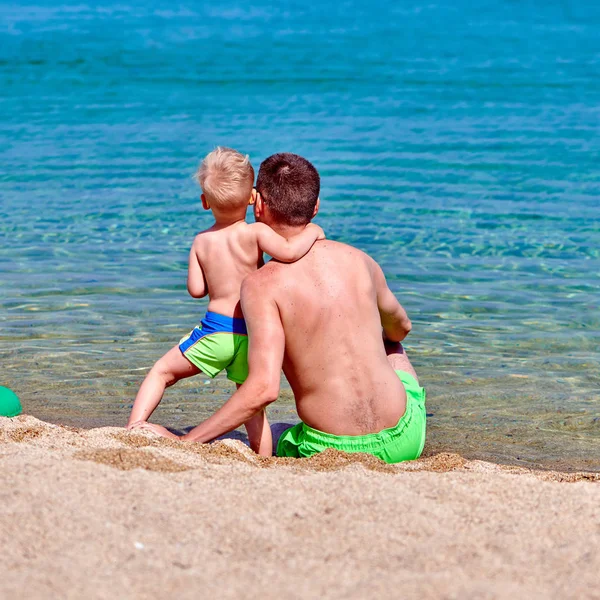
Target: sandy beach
{"points": [[105, 513]]}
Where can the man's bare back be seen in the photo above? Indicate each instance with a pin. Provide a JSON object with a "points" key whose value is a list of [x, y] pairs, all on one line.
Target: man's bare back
{"points": [[334, 357]]}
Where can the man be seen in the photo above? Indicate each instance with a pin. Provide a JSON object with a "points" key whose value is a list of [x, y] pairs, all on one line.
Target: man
{"points": [[321, 319]]}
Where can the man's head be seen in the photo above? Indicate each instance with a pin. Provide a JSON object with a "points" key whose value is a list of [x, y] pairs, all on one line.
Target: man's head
{"points": [[226, 178], [289, 187]]}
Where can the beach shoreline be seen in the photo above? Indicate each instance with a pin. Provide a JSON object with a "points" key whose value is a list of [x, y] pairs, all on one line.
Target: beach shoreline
{"points": [[503, 449], [105, 512]]}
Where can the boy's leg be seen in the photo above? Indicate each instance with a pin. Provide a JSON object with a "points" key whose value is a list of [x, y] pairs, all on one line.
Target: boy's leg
{"points": [[259, 433], [168, 370]]}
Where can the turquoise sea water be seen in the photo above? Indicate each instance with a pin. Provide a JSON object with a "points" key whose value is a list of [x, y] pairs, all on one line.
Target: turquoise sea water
{"points": [[458, 144]]}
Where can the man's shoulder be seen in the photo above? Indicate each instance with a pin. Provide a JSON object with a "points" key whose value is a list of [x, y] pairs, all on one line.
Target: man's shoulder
{"points": [[260, 286], [334, 246], [269, 272], [268, 279], [331, 251], [327, 251]]}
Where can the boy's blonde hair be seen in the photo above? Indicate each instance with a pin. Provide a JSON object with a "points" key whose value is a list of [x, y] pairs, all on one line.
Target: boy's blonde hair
{"points": [[226, 178]]}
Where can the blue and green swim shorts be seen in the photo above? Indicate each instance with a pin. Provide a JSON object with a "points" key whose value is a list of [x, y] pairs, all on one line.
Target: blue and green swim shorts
{"points": [[404, 441], [218, 343]]}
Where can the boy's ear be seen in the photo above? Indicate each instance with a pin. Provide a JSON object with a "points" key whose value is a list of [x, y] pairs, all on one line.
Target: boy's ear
{"points": [[317, 205], [205, 204], [252, 197]]}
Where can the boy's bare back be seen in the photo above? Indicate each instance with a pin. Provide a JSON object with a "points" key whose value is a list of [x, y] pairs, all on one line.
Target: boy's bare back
{"points": [[225, 255]]}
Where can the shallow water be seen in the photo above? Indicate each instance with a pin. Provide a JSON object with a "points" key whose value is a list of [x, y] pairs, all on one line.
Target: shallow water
{"points": [[458, 145]]}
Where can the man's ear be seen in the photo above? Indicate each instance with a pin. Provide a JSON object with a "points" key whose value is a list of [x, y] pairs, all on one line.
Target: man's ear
{"points": [[205, 204], [252, 197], [316, 208], [259, 204]]}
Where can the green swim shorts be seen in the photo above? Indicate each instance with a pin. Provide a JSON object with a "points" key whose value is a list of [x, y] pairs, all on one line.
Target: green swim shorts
{"points": [[404, 441], [218, 343]]}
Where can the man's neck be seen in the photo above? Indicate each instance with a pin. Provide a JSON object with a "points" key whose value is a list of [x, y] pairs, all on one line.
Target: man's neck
{"points": [[287, 231]]}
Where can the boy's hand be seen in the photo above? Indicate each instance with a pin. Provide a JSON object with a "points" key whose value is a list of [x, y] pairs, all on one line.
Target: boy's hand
{"points": [[321, 233]]}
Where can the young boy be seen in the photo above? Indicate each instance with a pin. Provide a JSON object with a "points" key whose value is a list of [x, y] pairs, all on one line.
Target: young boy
{"points": [[219, 260]]}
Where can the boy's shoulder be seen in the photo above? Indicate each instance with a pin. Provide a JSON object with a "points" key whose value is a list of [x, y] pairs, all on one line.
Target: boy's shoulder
{"points": [[236, 230], [245, 230], [256, 227]]}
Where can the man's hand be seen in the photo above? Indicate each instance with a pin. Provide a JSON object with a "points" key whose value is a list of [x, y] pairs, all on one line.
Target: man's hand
{"points": [[154, 428], [266, 346]]}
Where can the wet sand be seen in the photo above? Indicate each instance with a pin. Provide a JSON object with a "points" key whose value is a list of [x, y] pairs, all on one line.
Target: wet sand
{"points": [[106, 513]]}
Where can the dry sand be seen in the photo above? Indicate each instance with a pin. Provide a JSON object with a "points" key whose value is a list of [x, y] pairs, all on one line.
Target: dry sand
{"points": [[105, 513]]}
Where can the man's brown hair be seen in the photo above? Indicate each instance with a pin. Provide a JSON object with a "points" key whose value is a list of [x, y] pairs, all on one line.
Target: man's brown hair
{"points": [[289, 185]]}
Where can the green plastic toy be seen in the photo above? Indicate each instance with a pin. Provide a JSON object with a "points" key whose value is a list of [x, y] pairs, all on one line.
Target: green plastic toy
{"points": [[10, 405]]}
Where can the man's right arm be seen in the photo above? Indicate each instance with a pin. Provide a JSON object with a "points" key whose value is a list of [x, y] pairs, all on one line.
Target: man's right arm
{"points": [[265, 357], [394, 320]]}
